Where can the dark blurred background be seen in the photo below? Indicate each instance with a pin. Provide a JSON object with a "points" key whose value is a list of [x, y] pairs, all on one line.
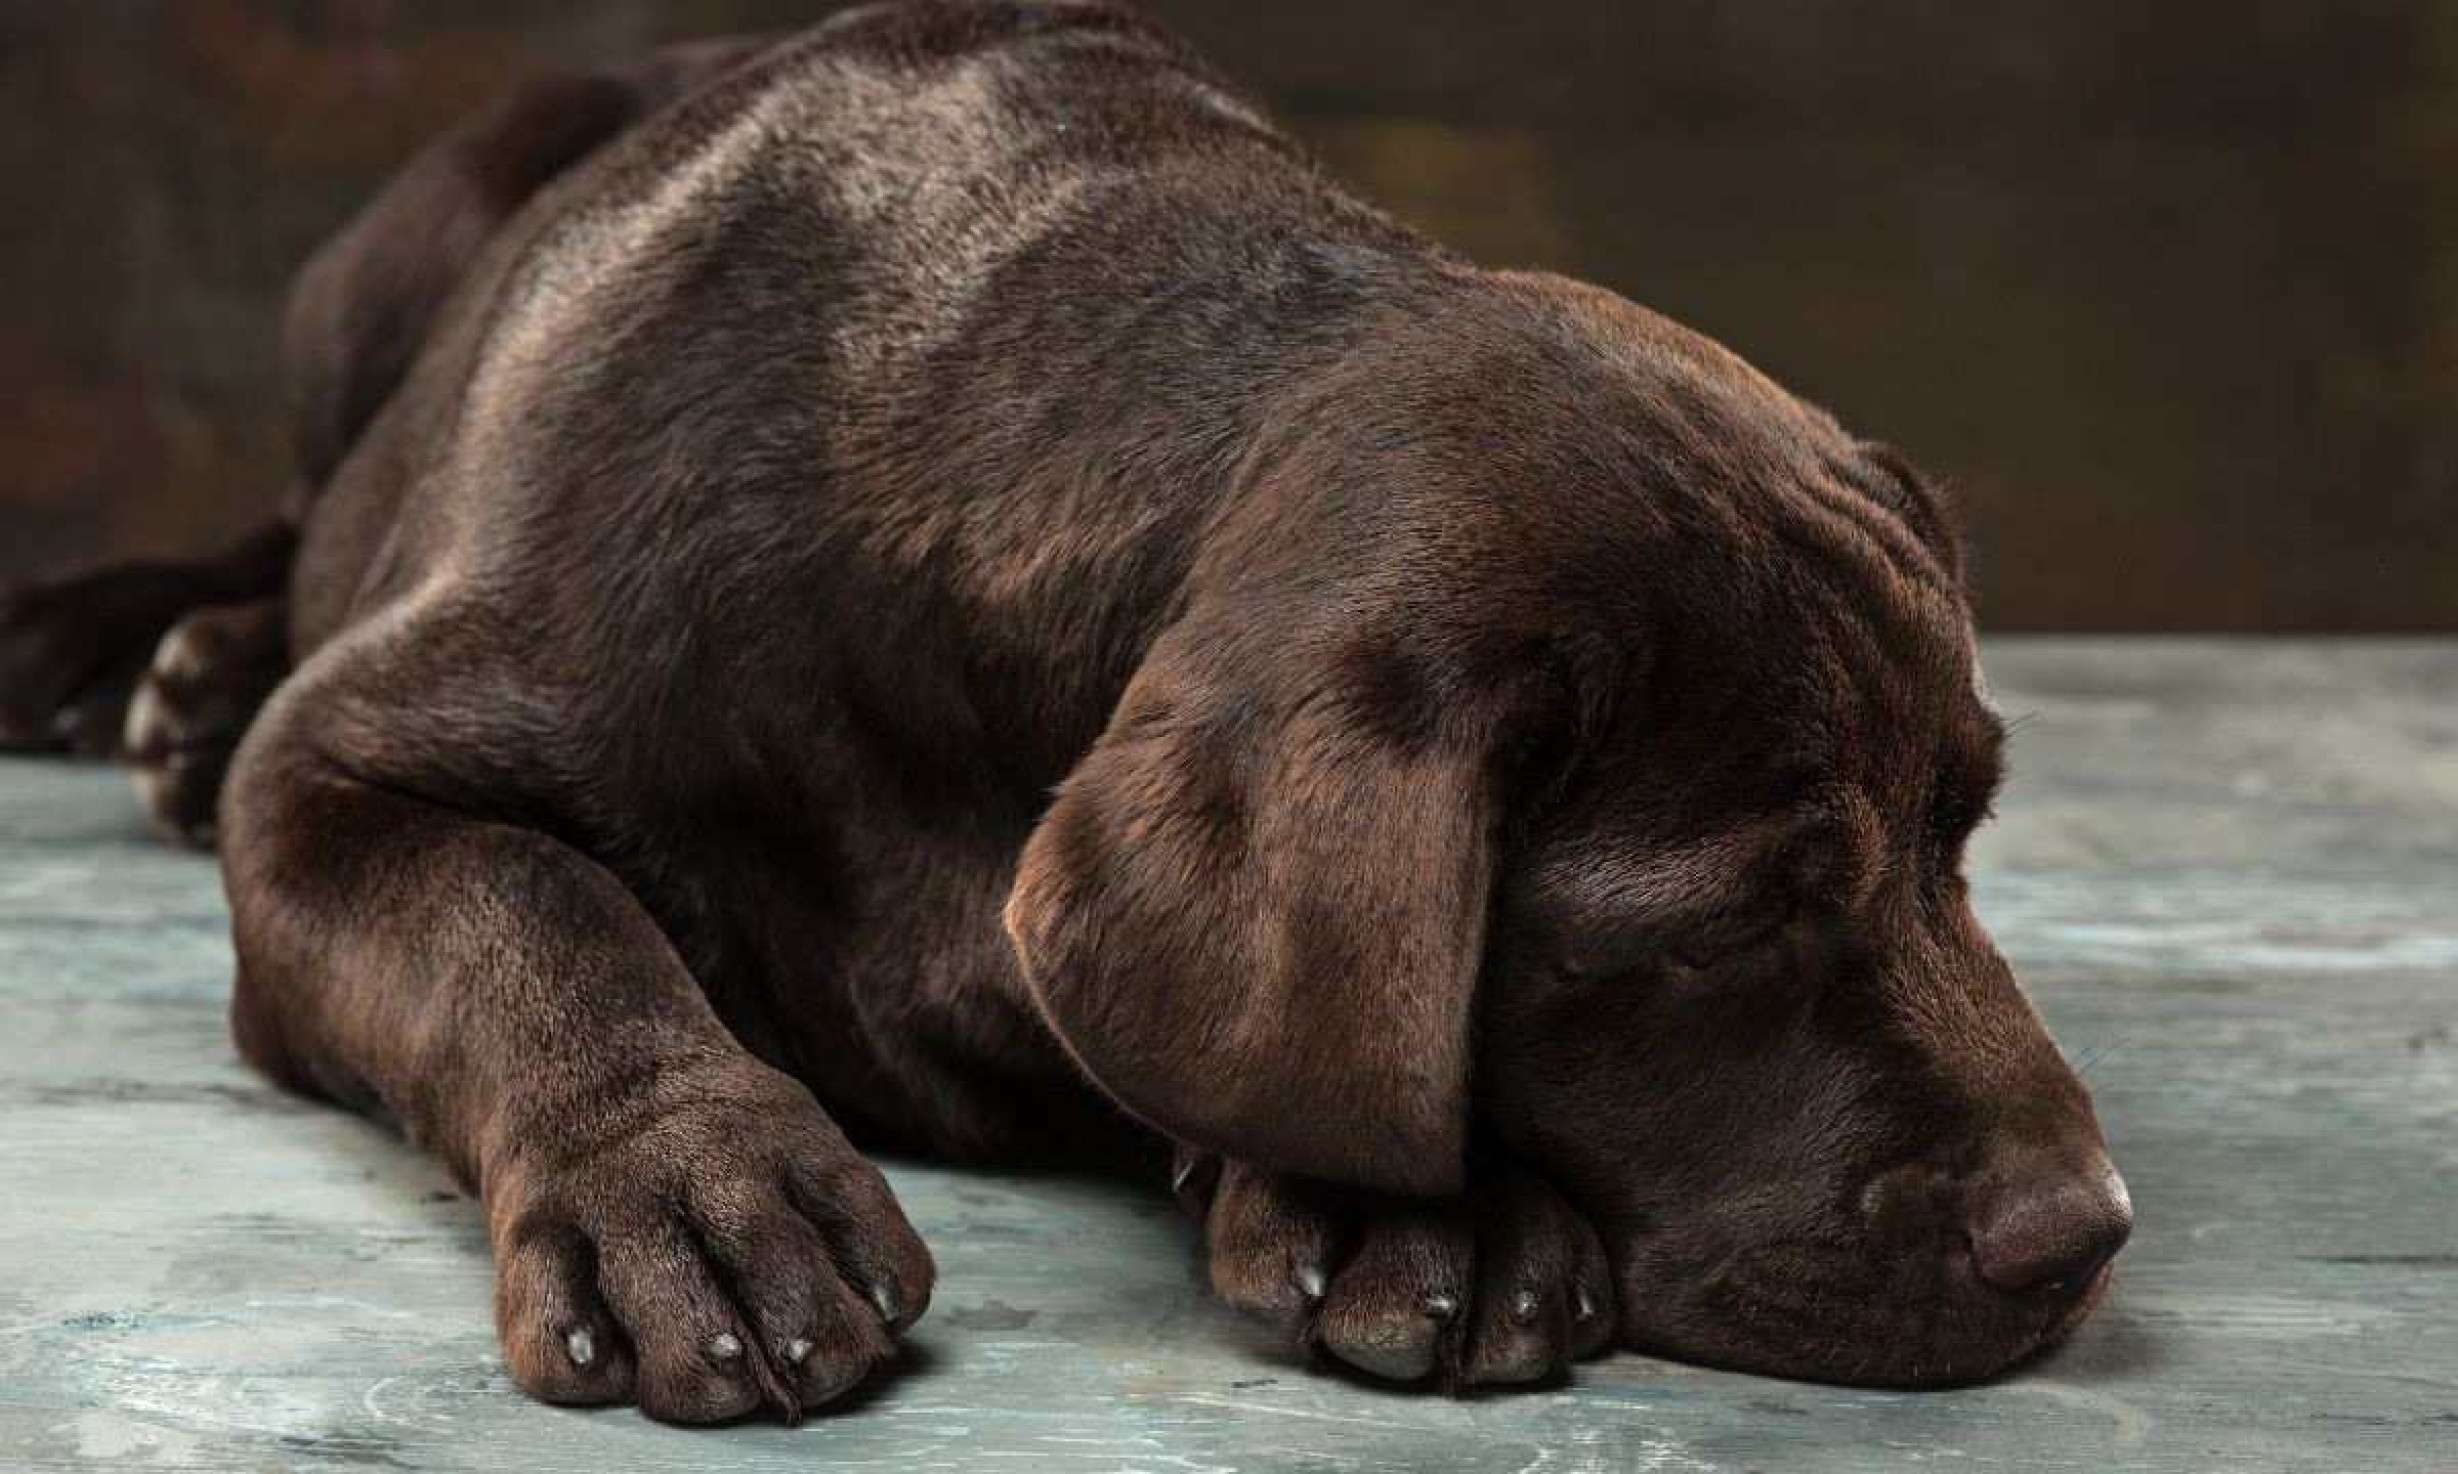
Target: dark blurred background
{"points": [[2167, 291]]}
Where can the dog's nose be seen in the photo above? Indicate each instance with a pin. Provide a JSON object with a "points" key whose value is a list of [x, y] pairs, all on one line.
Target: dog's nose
{"points": [[2051, 1230]]}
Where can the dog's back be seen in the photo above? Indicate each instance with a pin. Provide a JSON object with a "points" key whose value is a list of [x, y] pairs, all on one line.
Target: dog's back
{"points": [[938, 322], [918, 248], [796, 480], [795, 442]]}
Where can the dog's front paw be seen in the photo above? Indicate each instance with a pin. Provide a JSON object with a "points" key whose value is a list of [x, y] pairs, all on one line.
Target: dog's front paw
{"points": [[729, 1249], [1507, 1284]]}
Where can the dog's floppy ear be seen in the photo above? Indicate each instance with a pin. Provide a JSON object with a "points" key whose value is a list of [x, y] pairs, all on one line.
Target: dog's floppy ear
{"points": [[1255, 912]]}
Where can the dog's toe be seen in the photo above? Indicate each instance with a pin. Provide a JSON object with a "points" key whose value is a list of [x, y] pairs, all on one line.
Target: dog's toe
{"points": [[821, 1323], [560, 1341], [1270, 1242], [696, 1354], [1542, 1286], [1400, 1296]]}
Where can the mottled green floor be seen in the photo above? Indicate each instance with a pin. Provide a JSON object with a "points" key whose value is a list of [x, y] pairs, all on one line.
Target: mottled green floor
{"points": [[2229, 871]]}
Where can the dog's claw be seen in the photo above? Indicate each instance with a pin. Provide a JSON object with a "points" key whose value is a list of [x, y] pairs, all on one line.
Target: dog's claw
{"points": [[726, 1346], [1585, 1305], [1310, 1282], [883, 1299], [797, 1351], [581, 1346], [1440, 1306], [1524, 1307], [1193, 1176]]}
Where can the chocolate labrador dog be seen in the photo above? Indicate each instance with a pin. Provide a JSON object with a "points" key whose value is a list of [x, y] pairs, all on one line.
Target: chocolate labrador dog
{"points": [[934, 582]]}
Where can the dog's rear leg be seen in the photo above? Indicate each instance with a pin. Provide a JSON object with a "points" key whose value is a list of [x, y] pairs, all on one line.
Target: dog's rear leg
{"points": [[72, 649], [674, 1222]]}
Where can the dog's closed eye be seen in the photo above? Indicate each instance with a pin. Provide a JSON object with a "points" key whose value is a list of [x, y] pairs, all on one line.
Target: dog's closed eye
{"points": [[1693, 944], [1732, 937]]}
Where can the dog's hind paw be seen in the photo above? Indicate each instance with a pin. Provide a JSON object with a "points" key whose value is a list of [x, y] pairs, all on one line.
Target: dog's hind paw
{"points": [[70, 653], [208, 678]]}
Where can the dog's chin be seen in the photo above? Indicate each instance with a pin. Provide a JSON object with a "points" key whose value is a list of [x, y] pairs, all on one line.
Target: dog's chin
{"points": [[1945, 1330]]}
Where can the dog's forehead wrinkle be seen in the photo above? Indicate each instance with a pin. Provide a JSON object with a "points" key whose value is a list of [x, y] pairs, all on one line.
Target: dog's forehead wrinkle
{"points": [[1893, 685], [1897, 505]]}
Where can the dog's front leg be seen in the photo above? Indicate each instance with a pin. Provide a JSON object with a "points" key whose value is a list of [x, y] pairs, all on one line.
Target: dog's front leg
{"points": [[674, 1222]]}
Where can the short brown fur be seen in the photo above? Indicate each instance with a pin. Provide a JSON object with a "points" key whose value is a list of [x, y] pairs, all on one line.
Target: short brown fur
{"points": [[935, 582]]}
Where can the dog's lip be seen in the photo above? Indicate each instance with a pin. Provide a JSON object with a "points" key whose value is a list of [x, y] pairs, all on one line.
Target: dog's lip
{"points": [[2066, 1308], [2032, 1330], [2082, 1305]]}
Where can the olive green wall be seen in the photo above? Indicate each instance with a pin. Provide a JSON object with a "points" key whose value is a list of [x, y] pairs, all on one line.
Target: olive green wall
{"points": [[2169, 292]]}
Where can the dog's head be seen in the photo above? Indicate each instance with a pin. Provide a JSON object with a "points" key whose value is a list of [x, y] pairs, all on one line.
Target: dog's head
{"points": [[1568, 747]]}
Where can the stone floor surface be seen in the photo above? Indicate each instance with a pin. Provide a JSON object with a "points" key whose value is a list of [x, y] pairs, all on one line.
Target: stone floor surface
{"points": [[2228, 871]]}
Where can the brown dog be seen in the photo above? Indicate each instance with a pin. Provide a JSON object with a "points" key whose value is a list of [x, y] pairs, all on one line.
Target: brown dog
{"points": [[935, 578]]}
